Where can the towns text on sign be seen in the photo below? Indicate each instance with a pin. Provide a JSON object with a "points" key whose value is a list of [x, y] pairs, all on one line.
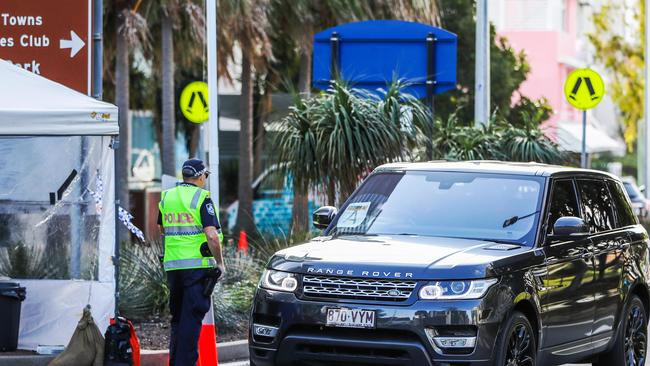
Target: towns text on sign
{"points": [[49, 38]]}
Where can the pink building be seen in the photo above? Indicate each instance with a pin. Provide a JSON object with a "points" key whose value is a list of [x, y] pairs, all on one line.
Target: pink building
{"points": [[552, 33]]}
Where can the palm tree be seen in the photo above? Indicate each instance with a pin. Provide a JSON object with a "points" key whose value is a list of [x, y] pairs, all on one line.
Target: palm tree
{"points": [[528, 143], [333, 139], [296, 143], [301, 19], [129, 30], [499, 140], [424, 11], [167, 151], [182, 23], [243, 25]]}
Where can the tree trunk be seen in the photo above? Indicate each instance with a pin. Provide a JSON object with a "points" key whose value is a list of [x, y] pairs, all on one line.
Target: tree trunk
{"points": [[304, 76], [265, 108], [260, 137], [331, 193], [260, 134], [123, 163], [167, 152], [245, 219], [300, 209]]}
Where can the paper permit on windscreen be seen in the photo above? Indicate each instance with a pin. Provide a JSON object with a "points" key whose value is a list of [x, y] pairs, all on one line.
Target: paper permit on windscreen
{"points": [[354, 215]]}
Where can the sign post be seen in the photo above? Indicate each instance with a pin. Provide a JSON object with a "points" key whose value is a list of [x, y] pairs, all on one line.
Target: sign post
{"points": [[584, 89], [49, 38]]}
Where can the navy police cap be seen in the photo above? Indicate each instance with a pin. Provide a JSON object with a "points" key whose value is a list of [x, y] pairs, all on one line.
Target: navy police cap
{"points": [[193, 168]]}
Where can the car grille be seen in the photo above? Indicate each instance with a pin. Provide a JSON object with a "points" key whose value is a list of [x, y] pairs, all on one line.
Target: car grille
{"points": [[357, 288]]}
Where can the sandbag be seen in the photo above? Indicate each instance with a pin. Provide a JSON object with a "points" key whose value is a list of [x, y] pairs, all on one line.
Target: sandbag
{"points": [[86, 347]]}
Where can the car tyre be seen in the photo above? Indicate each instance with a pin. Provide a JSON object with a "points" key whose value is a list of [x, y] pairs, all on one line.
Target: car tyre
{"points": [[630, 347], [517, 345]]}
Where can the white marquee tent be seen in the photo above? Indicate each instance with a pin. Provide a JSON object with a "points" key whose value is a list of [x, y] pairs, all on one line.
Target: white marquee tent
{"points": [[57, 214]]}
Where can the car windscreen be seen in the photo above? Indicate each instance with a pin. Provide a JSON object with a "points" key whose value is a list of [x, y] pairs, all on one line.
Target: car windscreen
{"points": [[450, 204]]}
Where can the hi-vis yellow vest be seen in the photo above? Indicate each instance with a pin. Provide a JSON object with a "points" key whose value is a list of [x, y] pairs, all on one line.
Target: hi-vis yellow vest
{"points": [[181, 218]]}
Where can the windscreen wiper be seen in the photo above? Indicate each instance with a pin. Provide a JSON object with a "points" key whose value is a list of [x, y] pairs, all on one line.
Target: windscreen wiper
{"points": [[514, 219]]}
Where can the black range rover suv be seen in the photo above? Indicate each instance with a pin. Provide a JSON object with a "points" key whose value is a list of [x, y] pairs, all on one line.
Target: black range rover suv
{"points": [[470, 263]]}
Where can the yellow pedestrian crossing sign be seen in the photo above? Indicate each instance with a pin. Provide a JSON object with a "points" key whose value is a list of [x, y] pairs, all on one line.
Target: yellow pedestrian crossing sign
{"points": [[194, 102], [584, 89]]}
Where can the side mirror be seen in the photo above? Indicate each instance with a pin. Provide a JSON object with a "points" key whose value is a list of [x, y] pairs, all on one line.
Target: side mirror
{"points": [[570, 227], [324, 216]]}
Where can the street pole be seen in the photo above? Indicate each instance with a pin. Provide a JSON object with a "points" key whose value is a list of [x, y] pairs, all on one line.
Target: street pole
{"points": [[643, 171], [98, 20], [213, 140], [583, 154], [213, 97], [482, 83]]}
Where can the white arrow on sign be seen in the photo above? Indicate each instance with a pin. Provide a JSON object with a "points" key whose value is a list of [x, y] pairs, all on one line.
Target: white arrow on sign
{"points": [[75, 44]]}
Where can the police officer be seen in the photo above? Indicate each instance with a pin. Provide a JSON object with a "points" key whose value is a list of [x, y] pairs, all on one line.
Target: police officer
{"points": [[188, 220]]}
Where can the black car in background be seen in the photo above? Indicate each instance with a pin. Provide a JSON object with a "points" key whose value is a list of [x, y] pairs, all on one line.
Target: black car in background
{"points": [[468, 263]]}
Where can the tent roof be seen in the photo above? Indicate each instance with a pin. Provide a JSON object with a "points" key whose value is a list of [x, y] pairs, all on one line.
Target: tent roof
{"points": [[569, 137], [33, 105]]}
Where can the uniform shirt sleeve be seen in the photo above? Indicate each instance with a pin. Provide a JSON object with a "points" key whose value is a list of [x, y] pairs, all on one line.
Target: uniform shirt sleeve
{"points": [[209, 214]]}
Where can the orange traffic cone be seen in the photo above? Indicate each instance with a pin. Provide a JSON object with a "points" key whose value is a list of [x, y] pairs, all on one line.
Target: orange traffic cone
{"points": [[208, 341], [242, 245]]}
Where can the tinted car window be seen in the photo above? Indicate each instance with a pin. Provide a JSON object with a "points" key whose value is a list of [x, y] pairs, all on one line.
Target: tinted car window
{"points": [[563, 202], [624, 213], [597, 207]]}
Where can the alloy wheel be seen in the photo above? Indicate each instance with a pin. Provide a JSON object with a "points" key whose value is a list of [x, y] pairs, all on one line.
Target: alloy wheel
{"points": [[520, 351], [635, 337]]}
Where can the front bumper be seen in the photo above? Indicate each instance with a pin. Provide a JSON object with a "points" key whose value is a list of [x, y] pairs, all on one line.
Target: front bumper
{"points": [[400, 337]]}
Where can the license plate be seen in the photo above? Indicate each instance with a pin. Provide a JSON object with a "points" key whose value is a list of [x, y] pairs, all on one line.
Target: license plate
{"points": [[350, 318]]}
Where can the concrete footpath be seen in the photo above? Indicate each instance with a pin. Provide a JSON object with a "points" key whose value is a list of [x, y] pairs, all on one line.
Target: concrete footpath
{"points": [[228, 352]]}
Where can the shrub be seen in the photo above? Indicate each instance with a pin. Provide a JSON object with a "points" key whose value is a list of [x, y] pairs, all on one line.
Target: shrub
{"points": [[22, 261], [143, 284], [144, 291]]}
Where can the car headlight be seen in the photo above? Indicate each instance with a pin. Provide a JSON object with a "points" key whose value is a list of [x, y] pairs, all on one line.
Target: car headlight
{"points": [[279, 281], [456, 290]]}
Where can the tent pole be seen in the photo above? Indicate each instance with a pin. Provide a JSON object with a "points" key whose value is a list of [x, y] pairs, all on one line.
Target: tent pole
{"points": [[97, 81], [97, 93]]}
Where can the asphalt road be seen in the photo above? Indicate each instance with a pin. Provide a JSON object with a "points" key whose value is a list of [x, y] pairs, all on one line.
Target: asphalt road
{"points": [[245, 363]]}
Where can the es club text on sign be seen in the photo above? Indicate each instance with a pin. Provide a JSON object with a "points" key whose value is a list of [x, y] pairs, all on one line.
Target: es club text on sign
{"points": [[49, 38]]}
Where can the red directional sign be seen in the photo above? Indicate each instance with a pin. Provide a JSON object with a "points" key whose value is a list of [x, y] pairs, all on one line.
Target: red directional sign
{"points": [[50, 38]]}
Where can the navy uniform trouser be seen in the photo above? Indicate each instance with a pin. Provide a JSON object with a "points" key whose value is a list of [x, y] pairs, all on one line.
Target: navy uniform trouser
{"points": [[187, 306]]}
